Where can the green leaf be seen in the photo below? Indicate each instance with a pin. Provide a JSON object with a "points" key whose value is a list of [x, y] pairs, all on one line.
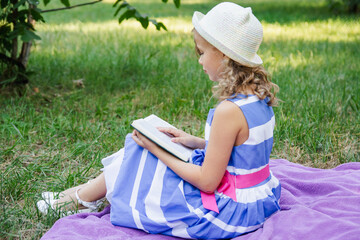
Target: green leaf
{"points": [[46, 2], [164, 1], [177, 3], [33, 2], [138, 15], [14, 33], [36, 14], [143, 19], [5, 40], [158, 25], [8, 46], [127, 14], [22, 15], [4, 30], [65, 3], [29, 36], [124, 4], [144, 22], [117, 1], [22, 2]]}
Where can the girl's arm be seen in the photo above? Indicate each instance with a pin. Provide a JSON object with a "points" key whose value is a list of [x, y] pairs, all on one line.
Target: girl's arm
{"points": [[229, 127]]}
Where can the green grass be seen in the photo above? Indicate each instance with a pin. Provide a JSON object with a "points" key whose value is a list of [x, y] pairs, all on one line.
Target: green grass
{"points": [[55, 135]]}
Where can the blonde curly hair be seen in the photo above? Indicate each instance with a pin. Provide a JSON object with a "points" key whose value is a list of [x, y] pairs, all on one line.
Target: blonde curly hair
{"points": [[237, 78]]}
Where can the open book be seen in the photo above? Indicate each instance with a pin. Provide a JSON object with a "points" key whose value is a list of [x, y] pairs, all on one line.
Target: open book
{"points": [[147, 126]]}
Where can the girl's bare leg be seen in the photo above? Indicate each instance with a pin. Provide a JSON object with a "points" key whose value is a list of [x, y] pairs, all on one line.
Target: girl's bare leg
{"points": [[92, 191], [71, 190]]}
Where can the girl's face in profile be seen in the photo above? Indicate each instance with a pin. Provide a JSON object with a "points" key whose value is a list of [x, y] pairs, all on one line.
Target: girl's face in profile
{"points": [[209, 57]]}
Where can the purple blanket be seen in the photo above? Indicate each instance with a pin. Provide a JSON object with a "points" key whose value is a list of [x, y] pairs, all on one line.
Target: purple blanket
{"points": [[315, 204]]}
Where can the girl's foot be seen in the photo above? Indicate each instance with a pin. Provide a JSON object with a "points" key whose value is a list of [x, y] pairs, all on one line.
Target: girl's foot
{"points": [[52, 200], [44, 206], [69, 200], [48, 201], [94, 205], [47, 196]]}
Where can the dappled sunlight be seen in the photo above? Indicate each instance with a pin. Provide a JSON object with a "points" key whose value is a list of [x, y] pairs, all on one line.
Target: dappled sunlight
{"points": [[330, 30], [177, 25], [79, 27], [159, 1], [112, 42], [110, 34]]}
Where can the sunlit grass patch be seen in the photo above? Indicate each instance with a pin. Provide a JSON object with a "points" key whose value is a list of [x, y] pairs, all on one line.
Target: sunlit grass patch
{"points": [[331, 30]]}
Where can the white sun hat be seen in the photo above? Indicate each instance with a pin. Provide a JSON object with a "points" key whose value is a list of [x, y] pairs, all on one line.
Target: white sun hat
{"points": [[232, 29]]}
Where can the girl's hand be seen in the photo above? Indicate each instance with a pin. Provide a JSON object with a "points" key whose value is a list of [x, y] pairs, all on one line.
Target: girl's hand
{"points": [[143, 141], [179, 136]]}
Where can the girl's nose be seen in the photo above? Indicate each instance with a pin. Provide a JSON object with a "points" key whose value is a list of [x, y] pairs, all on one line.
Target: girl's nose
{"points": [[200, 61]]}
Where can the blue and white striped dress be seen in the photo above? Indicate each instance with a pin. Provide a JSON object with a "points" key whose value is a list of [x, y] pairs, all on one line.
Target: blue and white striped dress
{"points": [[148, 195]]}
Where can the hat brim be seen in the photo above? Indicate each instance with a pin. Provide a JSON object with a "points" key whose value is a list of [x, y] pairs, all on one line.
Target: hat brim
{"points": [[254, 62]]}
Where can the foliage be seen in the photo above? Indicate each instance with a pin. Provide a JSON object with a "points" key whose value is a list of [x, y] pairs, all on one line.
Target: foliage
{"points": [[131, 12], [17, 25], [16, 20], [349, 6]]}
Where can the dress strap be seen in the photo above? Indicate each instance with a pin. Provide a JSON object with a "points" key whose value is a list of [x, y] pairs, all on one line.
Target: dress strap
{"points": [[243, 101]]}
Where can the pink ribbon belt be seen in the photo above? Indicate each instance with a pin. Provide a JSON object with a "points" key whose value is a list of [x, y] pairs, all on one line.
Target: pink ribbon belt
{"points": [[229, 183]]}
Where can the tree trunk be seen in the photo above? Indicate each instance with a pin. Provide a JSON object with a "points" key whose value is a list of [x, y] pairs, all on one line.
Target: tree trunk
{"points": [[26, 46], [25, 53], [14, 49]]}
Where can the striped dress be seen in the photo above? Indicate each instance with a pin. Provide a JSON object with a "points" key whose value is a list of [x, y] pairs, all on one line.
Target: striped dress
{"points": [[148, 195]]}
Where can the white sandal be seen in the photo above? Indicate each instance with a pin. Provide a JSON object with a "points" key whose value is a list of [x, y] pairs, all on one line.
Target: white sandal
{"points": [[93, 206], [44, 206], [48, 199], [47, 196]]}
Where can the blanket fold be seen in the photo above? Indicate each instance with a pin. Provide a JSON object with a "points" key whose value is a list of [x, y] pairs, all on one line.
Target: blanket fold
{"points": [[315, 204]]}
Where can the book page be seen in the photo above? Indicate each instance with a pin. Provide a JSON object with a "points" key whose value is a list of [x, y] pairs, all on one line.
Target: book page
{"points": [[157, 122], [148, 125]]}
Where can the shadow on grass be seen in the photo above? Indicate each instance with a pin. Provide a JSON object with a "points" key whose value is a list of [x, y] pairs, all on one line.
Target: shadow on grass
{"points": [[283, 12]]}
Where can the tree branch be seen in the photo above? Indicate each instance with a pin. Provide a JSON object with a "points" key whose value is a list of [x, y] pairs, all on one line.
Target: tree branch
{"points": [[66, 8]]}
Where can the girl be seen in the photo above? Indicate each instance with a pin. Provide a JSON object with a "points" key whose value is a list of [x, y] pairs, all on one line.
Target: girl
{"points": [[227, 188]]}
